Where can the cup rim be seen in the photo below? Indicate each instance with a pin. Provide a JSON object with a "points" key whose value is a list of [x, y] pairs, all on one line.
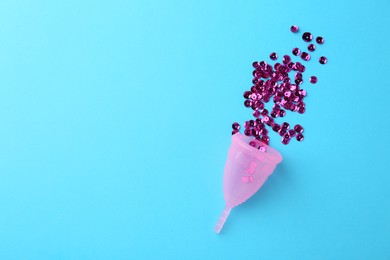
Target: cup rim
{"points": [[274, 156]]}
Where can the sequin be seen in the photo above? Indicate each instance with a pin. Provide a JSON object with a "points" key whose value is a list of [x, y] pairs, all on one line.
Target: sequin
{"points": [[313, 79], [323, 60], [293, 107], [320, 40], [300, 67], [270, 121], [252, 143], [294, 28], [298, 128], [300, 137], [305, 56], [293, 87], [286, 59], [236, 126], [264, 112], [263, 64], [248, 103], [285, 141], [298, 81], [254, 132], [292, 133], [253, 96], [307, 37], [282, 131], [256, 113], [259, 105], [285, 125], [298, 75], [273, 56], [257, 74], [247, 132], [282, 113], [276, 127], [311, 47], [296, 51], [247, 94], [265, 139]]}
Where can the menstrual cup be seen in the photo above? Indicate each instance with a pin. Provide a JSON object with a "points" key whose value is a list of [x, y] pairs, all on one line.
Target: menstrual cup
{"points": [[248, 165]]}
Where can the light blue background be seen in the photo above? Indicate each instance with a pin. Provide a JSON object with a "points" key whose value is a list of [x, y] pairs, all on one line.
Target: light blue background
{"points": [[115, 121]]}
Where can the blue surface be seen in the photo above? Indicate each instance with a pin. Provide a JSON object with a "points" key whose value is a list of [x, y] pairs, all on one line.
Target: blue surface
{"points": [[116, 118]]}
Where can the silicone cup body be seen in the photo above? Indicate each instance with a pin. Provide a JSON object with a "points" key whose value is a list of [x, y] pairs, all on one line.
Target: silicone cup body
{"points": [[246, 170]]}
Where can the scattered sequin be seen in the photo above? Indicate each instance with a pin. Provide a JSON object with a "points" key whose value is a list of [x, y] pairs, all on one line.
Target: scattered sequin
{"points": [[300, 137], [294, 28], [307, 37], [273, 56], [285, 141], [252, 143], [313, 79], [292, 133], [311, 47], [286, 59], [323, 60], [285, 125], [296, 51], [320, 40], [236, 126], [305, 56], [298, 128]]}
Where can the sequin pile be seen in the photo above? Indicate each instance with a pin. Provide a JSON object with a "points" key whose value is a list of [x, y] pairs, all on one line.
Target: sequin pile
{"points": [[281, 83]]}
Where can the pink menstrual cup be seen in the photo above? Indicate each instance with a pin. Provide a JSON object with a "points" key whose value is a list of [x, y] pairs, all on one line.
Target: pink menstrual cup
{"points": [[248, 165]]}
